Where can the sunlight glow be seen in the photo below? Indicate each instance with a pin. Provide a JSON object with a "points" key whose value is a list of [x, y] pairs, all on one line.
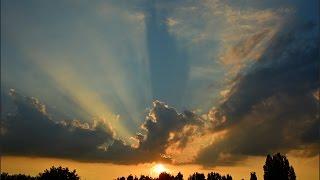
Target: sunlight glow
{"points": [[70, 82], [106, 94], [158, 168]]}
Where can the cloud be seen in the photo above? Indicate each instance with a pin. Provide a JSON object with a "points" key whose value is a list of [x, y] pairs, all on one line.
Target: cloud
{"points": [[171, 22], [161, 124], [31, 131], [248, 49], [246, 33], [221, 39], [271, 107]]}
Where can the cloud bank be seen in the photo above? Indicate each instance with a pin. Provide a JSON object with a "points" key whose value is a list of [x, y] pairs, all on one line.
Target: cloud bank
{"points": [[31, 131]]}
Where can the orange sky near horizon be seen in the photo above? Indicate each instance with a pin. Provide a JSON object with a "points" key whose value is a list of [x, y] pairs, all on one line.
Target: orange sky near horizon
{"points": [[305, 168]]}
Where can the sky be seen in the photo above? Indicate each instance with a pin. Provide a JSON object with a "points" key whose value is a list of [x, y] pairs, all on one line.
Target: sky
{"points": [[197, 85]]}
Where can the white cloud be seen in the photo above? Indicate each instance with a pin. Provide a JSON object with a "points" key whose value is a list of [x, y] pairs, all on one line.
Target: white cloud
{"points": [[171, 22]]}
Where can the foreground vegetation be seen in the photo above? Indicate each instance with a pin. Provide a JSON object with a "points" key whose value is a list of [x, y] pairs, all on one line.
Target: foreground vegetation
{"points": [[55, 173], [276, 167]]}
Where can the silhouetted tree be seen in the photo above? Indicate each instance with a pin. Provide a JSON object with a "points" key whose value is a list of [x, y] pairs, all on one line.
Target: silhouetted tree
{"points": [[142, 177], [214, 176], [58, 173], [253, 176], [217, 176], [227, 177], [165, 176], [130, 177], [278, 167], [197, 176], [292, 174], [6, 176], [179, 176], [121, 178]]}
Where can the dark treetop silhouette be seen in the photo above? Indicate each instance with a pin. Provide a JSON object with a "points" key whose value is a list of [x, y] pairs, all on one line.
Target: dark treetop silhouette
{"points": [[276, 167], [55, 173], [253, 176]]}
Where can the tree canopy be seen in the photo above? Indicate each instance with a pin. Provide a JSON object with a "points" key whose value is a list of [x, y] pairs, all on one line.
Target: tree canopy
{"points": [[277, 167]]}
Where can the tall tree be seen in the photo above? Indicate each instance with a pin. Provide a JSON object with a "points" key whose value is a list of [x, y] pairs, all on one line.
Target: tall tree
{"points": [[253, 176], [179, 176], [278, 167], [130, 177]]}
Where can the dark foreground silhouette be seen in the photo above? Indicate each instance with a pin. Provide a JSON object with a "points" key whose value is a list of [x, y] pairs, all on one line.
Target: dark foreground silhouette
{"points": [[55, 173], [276, 167]]}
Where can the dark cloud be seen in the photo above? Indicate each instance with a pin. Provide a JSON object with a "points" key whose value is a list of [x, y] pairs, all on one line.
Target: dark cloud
{"points": [[272, 107], [154, 137], [289, 65], [31, 131], [161, 121]]}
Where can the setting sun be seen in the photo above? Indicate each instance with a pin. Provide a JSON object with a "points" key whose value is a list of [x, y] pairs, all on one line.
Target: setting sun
{"points": [[159, 168]]}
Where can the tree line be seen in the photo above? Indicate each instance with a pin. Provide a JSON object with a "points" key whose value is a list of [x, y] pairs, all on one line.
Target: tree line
{"points": [[54, 173], [276, 167]]}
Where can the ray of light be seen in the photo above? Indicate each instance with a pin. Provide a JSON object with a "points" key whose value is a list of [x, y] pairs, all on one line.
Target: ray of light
{"points": [[108, 76]]}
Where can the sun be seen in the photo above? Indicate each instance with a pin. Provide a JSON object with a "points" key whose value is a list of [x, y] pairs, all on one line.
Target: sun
{"points": [[159, 168]]}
